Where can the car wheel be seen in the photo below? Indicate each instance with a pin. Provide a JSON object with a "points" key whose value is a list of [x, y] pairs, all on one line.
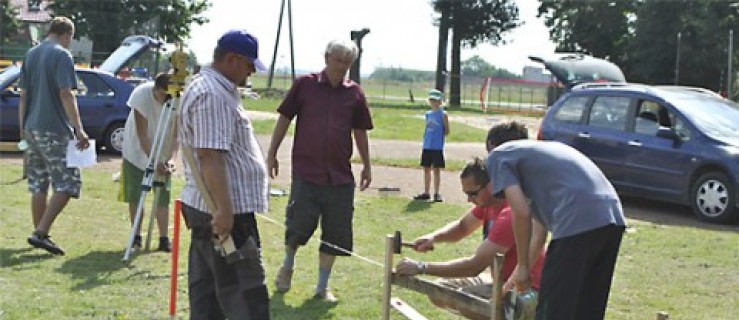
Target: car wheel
{"points": [[713, 198], [113, 139]]}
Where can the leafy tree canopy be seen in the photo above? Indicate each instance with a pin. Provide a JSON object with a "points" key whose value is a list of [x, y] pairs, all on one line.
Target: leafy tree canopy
{"points": [[642, 36], [476, 66], [108, 22], [8, 22]]}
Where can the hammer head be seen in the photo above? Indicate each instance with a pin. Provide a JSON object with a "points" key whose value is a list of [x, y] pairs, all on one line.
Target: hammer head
{"points": [[397, 242]]}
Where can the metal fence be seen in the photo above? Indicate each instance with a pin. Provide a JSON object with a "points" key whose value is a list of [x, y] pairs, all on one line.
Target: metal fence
{"points": [[487, 94]]}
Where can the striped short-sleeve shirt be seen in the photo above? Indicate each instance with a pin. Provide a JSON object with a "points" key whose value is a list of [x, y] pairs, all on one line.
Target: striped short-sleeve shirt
{"points": [[212, 117]]}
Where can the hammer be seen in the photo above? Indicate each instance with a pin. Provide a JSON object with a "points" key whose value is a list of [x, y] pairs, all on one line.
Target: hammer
{"points": [[398, 243]]}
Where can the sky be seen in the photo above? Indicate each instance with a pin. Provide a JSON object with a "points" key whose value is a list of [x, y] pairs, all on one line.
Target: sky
{"points": [[401, 33]]}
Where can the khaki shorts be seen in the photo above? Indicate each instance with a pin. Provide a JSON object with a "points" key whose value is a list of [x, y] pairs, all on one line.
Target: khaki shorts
{"points": [[46, 159], [130, 186]]}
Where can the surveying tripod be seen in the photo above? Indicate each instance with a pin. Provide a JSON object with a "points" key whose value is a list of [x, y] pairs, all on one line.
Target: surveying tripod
{"points": [[174, 89]]}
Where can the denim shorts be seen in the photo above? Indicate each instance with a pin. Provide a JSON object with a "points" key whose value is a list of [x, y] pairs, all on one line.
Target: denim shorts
{"points": [[46, 159]]}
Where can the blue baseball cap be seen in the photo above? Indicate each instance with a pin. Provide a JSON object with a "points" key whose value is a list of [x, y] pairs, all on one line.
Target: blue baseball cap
{"points": [[243, 43]]}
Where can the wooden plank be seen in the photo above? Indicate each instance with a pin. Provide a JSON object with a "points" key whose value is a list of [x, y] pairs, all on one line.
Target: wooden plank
{"points": [[406, 310], [9, 146], [455, 298]]}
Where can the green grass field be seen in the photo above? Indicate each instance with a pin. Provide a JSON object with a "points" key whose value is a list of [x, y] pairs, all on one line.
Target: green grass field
{"points": [[689, 272]]}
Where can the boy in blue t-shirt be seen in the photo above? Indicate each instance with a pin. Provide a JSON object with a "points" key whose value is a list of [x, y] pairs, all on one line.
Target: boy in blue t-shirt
{"points": [[432, 156]]}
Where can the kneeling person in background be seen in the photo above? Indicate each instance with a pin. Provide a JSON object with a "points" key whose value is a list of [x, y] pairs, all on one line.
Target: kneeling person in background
{"points": [[467, 274]]}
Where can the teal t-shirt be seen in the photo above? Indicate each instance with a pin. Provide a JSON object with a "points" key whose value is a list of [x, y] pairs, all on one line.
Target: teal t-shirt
{"points": [[47, 68], [568, 192]]}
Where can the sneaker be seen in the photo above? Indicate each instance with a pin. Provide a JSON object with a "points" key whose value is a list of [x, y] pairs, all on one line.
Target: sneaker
{"points": [[43, 242], [437, 198], [284, 280], [164, 244], [137, 243], [325, 296], [422, 197]]}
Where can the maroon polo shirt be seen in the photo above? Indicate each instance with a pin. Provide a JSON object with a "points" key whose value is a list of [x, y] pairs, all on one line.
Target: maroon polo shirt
{"points": [[322, 145]]}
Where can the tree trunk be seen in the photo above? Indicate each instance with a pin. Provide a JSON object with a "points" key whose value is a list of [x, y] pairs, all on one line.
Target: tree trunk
{"points": [[441, 54], [455, 87]]}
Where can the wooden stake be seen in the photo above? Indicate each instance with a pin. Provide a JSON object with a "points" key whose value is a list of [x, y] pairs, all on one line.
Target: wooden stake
{"points": [[496, 301], [389, 241]]}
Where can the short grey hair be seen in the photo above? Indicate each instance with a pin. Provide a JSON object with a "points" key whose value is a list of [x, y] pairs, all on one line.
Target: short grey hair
{"points": [[343, 47]]}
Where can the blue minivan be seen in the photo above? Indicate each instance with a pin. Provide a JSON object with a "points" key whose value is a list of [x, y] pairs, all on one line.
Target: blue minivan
{"points": [[670, 143]]}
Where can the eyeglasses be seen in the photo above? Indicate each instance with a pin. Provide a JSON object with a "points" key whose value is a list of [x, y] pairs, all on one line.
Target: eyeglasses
{"points": [[474, 194]]}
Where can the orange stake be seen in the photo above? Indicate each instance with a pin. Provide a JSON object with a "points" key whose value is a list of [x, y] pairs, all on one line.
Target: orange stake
{"points": [[175, 255]]}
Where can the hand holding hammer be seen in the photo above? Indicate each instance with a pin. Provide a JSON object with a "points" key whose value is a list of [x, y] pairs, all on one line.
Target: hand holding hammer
{"points": [[422, 244]]}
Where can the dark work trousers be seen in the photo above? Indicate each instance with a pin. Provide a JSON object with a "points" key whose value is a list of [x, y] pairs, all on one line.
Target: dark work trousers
{"points": [[577, 274], [219, 289]]}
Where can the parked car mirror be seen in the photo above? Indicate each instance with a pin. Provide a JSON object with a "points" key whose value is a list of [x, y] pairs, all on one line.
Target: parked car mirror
{"points": [[668, 133]]}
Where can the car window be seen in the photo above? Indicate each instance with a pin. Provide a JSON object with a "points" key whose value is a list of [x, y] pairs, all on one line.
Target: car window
{"points": [[572, 109], [681, 129], [647, 117], [13, 90], [609, 112], [717, 118], [90, 85]]}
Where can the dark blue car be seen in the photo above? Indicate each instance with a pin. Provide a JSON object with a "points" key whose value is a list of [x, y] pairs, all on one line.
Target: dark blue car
{"points": [[676, 144], [101, 96]]}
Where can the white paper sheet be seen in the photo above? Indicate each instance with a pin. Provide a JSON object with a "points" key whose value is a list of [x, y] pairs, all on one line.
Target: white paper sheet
{"points": [[81, 158]]}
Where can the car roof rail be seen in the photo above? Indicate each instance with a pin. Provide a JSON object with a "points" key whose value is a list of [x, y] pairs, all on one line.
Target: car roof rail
{"points": [[603, 85], [690, 89]]}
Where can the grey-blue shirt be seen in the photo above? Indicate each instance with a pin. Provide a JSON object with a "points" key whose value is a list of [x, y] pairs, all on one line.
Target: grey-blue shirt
{"points": [[47, 68], [568, 193]]}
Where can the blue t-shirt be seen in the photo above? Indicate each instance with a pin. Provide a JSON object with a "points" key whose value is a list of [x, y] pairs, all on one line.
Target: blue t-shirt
{"points": [[47, 68], [568, 193], [433, 136]]}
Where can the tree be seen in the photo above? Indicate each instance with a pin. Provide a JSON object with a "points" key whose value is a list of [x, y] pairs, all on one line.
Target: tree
{"points": [[443, 7], [8, 22], [108, 22], [474, 22], [704, 34], [478, 67], [598, 28]]}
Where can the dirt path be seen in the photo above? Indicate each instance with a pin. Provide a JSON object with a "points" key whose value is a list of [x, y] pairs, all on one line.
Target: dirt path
{"points": [[409, 181]]}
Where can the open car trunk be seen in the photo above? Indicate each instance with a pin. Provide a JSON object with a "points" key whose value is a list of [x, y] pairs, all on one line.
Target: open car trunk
{"points": [[571, 69], [131, 48]]}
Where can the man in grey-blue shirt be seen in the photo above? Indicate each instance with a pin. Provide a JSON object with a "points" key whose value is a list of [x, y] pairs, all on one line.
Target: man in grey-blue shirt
{"points": [[48, 118], [553, 187]]}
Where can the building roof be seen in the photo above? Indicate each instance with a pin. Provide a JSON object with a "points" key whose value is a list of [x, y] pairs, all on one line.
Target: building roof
{"points": [[26, 14]]}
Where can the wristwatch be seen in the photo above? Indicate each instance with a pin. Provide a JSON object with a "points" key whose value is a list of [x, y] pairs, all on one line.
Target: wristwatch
{"points": [[421, 267]]}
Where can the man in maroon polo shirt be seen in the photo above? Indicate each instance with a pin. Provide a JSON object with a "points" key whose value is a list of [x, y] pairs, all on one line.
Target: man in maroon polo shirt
{"points": [[329, 108]]}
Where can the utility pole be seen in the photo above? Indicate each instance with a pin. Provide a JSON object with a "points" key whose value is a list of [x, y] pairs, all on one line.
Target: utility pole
{"points": [[277, 41], [677, 59], [729, 74]]}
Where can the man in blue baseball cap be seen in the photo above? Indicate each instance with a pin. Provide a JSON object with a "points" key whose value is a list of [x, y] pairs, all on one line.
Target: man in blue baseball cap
{"points": [[214, 125]]}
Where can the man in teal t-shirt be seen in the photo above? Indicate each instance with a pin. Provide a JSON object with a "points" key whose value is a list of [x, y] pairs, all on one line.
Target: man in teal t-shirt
{"points": [[48, 117], [553, 187]]}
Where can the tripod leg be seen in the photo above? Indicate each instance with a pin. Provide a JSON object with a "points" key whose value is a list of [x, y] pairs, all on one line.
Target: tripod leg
{"points": [[154, 211], [136, 224]]}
